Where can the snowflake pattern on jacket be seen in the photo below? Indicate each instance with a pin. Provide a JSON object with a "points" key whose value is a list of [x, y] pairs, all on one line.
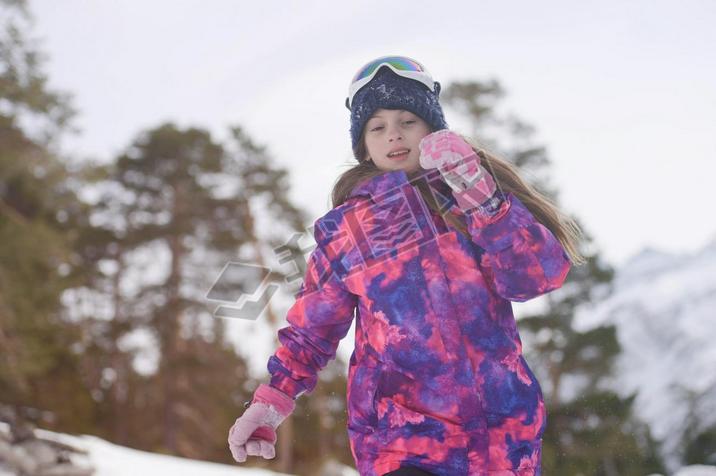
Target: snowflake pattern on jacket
{"points": [[437, 379]]}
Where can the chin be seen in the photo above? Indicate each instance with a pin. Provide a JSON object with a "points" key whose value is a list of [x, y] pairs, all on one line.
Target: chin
{"points": [[411, 167]]}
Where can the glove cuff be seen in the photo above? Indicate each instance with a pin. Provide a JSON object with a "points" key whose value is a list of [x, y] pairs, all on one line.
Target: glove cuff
{"points": [[471, 199], [269, 395]]}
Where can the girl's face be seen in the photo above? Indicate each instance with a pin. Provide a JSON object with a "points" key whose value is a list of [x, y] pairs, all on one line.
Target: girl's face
{"points": [[395, 130]]}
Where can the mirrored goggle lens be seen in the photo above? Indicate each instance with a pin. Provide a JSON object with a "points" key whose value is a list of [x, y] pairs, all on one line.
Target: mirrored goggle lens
{"points": [[400, 63]]}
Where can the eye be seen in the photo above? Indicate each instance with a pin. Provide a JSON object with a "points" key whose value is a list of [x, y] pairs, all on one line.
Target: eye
{"points": [[376, 128], [410, 121]]}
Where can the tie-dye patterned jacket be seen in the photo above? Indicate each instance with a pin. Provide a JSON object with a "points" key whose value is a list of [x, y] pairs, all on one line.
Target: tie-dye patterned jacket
{"points": [[437, 379]]}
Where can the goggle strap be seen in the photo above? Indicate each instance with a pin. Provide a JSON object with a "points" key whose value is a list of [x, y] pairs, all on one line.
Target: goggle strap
{"points": [[436, 86]]}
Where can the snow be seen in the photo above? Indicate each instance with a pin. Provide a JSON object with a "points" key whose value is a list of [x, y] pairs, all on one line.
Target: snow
{"points": [[114, 460], [697, 470]]}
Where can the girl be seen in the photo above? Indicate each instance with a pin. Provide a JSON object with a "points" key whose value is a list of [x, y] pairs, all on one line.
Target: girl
{"points": [[429, 240]]}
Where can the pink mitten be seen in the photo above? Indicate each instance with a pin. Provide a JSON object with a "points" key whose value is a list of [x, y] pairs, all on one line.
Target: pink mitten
{"points": [[460, 166], [254, 433]]}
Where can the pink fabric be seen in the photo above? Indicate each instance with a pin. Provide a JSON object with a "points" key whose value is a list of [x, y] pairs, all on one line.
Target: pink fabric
{"points": [[443, 146], [273, 396], [459, 165]]}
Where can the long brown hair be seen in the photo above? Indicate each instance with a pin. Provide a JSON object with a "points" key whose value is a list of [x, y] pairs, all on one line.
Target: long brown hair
{"points": [[506, 176]]}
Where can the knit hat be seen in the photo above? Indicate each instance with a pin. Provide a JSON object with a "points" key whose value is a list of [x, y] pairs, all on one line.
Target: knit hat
{"points": [[387, 90]]}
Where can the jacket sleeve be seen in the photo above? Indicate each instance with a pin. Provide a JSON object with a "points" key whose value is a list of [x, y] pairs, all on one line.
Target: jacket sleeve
{"points": [[319, 318], [522, 259]]}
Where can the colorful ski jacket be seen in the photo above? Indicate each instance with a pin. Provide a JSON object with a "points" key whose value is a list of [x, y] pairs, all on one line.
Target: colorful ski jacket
{"points": [[437, 379]]}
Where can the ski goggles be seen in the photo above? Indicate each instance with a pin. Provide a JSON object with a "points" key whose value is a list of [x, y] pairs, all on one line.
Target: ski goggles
{"points": [[401, 65]]}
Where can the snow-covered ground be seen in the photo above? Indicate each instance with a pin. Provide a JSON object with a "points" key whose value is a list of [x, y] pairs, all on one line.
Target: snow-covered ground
{"points": [[697, 470], [109, 459]]}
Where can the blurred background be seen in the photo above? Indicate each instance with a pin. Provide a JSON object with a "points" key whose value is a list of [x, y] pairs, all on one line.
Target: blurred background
{"points": [[145, 145]]}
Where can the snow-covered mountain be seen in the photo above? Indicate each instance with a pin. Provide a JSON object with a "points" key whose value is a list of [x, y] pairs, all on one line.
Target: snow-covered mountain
{"points": [[664, 308]]}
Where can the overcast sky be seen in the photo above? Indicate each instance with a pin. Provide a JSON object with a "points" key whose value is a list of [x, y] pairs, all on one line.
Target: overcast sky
{"points": [[622, 93]]}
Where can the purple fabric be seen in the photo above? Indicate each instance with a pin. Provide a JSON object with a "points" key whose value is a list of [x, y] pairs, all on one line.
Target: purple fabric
{"points": [[437, 379]]}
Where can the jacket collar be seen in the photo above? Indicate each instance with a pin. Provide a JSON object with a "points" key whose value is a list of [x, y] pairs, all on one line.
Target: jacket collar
{"points": [[381, 184], [395, 180]]}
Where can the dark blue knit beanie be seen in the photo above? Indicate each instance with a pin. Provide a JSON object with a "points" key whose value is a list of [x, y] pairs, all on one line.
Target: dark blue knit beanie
{"points": [[387, 90]]}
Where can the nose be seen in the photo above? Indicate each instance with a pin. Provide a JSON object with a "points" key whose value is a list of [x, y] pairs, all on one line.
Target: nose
{"points": [[394, 134]]}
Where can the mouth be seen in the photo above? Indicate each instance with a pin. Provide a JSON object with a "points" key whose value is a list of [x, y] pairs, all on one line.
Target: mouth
{"points": [[399, 155]]}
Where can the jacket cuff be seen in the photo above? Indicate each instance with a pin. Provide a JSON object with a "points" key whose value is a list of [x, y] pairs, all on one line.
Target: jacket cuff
{"points": [[469, 201], [494, 232]]}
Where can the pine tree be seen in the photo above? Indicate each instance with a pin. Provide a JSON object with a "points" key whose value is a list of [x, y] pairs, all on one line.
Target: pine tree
{"points": [[170, 210], [179, 194], [73, 297], [698, 438], [38, 214]]}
